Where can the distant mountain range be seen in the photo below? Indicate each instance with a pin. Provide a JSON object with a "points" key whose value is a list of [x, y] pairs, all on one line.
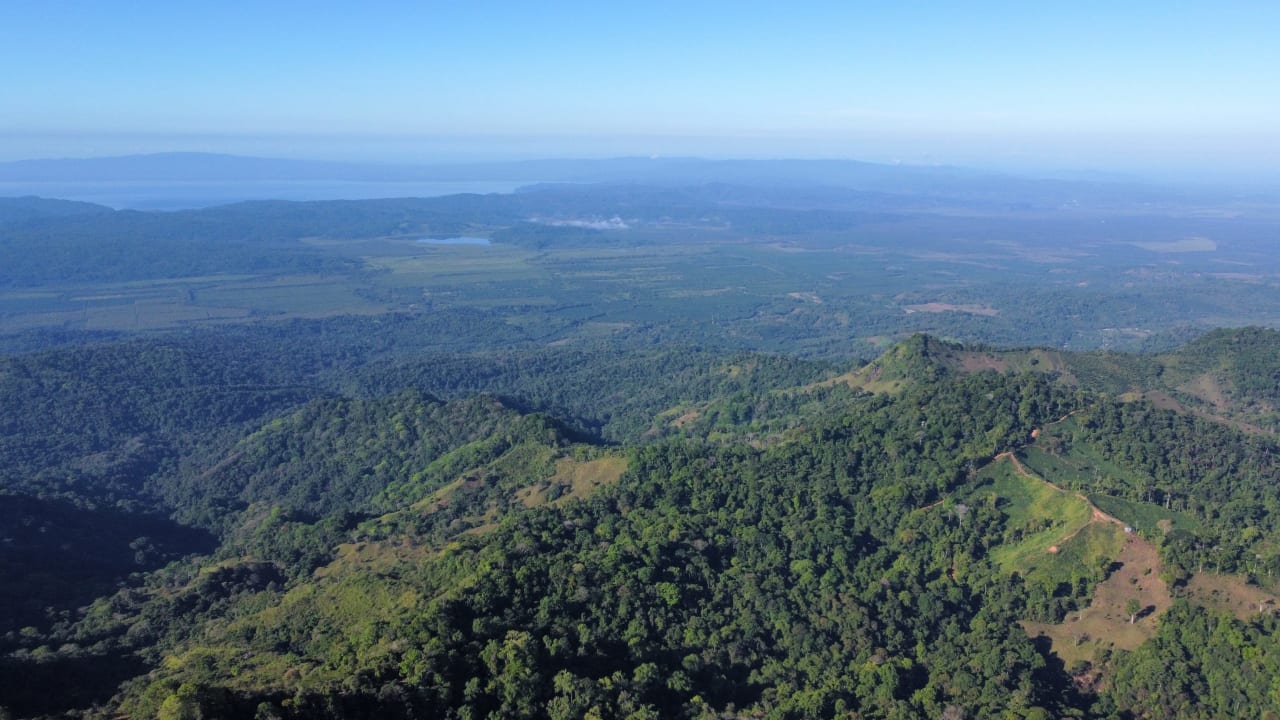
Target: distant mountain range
{"points": [[100, 179], [182, 166], [211, 167]]}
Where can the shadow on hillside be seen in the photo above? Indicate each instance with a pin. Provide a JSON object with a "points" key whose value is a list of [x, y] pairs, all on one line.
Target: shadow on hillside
{"points": [[56, 556], [1055, 678], [30, 688]]}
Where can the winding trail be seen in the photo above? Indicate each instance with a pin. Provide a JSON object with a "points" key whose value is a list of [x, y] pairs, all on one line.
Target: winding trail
{"points": [[1064, 417], [1096, 514]]}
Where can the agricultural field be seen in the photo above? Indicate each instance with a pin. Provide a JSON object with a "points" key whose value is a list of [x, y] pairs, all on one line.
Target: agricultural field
{"points": [[580, 263]]}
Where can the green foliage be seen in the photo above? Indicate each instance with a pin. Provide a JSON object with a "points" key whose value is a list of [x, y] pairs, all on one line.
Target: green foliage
{"points": [[778, 546], [1147, 518], [710, 576], [105, 245], [391, 545], [1201, 665], [610, 391], [1049, 539], [55, 554], [337, 454], [1212, 472], [722, 266]]}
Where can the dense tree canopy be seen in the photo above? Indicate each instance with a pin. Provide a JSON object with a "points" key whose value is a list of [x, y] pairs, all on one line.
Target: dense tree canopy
{"points": [[657, 534]]}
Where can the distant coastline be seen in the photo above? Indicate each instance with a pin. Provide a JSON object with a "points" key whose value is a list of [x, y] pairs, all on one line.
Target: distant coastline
{"points": [[155, 195], [461, 240]]}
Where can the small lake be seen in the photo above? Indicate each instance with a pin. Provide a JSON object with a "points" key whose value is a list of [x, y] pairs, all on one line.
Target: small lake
{"points": [[455, 241]]}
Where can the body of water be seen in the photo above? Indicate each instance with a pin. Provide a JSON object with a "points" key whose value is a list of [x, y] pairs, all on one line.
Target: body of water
{"points": [[181, 196], [455, 241]]}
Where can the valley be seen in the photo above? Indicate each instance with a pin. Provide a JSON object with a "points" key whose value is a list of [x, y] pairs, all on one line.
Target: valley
{"points": [[639, 361]]}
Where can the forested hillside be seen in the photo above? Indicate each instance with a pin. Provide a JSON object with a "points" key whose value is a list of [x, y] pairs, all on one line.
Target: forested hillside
{"points": [[202, 529], [644, 361]]}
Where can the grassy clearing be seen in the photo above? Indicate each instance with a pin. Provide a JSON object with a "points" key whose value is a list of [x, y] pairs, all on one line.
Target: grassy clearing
{"points": [[457, 265], [972, 362], [373, 556], [1058, 536], [152, 315], [1044, 522], [437, 499], [676, 418], [527, 475], [1071, 465], [583, 477], [868, 379], [937, 307], [346, 598], [1207, 388], [351, 598], [1093, 545], [1161, 400], [1048, 361], [574, 479], [292, 296]]}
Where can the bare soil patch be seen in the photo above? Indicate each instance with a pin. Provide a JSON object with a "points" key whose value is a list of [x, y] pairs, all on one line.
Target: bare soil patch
{"points": [[1230, 593], [1163, 401], [1105, 624], [971, 362], [686, 418]]}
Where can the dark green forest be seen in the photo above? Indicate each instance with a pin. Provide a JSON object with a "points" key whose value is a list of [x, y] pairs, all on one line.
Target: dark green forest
{"points": [[248, 523]]}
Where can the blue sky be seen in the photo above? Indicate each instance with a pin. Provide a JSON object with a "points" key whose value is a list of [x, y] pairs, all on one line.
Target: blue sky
{"points": [[1147, 86]]}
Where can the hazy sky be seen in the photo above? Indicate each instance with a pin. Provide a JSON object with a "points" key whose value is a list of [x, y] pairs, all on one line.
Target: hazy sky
{"points": [[1114, 85]]}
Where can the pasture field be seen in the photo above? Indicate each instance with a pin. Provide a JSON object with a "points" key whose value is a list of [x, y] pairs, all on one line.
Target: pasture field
{"points": [[1105, 625], [1060, 539], [1232, 594]]}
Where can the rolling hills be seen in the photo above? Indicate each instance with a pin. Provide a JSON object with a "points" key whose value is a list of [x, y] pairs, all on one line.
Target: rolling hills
{"points": [[945, 529]]}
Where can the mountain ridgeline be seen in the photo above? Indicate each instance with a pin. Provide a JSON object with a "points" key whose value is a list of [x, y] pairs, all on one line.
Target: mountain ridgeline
{"points": [[638, 532]]}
